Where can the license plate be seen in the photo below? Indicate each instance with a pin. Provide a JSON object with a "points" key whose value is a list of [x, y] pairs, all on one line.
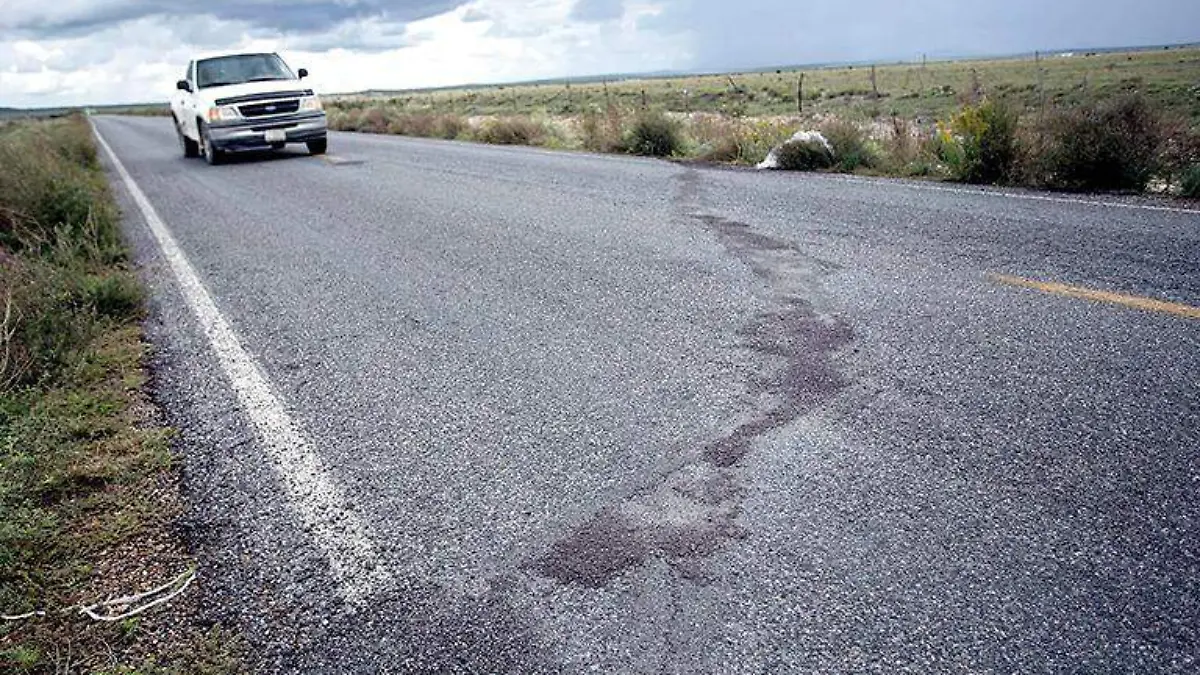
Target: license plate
{"points": [[276, 135]]}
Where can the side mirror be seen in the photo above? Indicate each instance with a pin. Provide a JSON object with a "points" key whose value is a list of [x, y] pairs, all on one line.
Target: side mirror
{"points": [[303, 73], [183, 85]]}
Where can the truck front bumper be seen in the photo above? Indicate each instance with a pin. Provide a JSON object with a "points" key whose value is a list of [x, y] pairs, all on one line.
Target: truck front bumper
{"points": [[252, 134]]}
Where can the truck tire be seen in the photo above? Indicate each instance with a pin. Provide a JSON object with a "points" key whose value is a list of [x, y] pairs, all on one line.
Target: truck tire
{"points": [[191, 148], [318, 147], [211, 154]]}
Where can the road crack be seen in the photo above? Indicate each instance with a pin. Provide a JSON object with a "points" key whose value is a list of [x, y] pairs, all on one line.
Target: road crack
{"points": [[692, 510]]}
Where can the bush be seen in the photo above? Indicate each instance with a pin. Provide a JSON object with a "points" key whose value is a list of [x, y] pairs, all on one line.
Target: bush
{"points": [[745, 141], [603, 132], [60, 251], [654, 135], [908, 150], [983, 148], [1190, 185], [511, 131], [1179, 154], [44, 323], [803, 156], [1110, 146], [420, 125], [115, 296], [52, 199], [451, 127], [850, 149]]}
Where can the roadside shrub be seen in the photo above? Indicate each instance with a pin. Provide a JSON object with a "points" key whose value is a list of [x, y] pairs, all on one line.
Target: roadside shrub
{"points": [[1190, 185], [420, 125], [451, 127], [1109, 146], [51, 199], [757, 138], [716, 138], [803, 156], [850, 149], [60, 250], [340, 119], [982, 144], [655, 135], [908, 150], [603, 132], [723, 149], [116, 296], [1179, 153], [511, 131], [374, 121], [44, 321]]}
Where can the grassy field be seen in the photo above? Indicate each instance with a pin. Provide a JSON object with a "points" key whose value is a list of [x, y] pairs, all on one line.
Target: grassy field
{"points": [[88, 495], [1111, 121], [1169, 77]]}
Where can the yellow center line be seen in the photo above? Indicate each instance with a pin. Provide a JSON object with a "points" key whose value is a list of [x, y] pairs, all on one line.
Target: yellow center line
{"points": [[1134, 301]]}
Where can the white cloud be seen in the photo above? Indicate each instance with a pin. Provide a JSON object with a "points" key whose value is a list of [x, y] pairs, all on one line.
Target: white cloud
{"points": [[55, 52], [139, 60]]}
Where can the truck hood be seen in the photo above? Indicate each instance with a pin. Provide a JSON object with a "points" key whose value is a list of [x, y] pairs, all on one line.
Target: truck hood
{"points": [[233, 90]]}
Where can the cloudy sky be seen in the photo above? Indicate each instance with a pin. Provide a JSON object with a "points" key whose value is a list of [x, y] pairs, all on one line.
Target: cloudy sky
{"points": [[55, 52]]}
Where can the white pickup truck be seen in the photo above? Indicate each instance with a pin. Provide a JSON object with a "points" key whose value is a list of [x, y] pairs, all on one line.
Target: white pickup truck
{"points": [[242, 102]]}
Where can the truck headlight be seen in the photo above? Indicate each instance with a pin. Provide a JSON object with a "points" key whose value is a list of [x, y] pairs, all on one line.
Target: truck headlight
{"points": [[225, 113], [311, 104]]}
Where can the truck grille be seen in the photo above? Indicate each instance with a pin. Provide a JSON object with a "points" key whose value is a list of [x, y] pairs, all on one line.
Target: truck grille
{"points": [[269, 108]]}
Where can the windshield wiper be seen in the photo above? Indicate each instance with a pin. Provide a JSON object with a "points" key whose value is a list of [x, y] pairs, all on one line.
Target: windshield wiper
{"points": [[266, 79], [216, 84]]}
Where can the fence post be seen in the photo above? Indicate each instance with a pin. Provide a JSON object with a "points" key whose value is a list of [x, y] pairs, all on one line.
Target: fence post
{"points": [[1037, 60], [644, 104], [800, 94], [874, 86]]}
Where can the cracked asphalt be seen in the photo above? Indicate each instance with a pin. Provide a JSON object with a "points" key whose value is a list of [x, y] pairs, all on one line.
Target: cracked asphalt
{"points": [[621, 415]]}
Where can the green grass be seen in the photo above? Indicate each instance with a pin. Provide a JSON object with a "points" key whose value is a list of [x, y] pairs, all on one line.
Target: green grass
{"points": [[87, 496], [989, 122], [913, 91]]}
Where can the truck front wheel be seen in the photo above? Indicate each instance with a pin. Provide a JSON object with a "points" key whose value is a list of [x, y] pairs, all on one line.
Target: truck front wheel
{"points": [[318, 147], [211, 155]]}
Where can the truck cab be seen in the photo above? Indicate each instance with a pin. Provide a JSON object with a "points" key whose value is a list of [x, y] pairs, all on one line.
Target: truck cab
{"points": [[243, 102]]}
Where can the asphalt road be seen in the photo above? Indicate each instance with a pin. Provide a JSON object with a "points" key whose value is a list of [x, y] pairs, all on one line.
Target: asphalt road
{"points": [[628, 416]]}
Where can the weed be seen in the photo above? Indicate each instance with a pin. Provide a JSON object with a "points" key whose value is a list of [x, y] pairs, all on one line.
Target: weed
{"points": [[983, 145], [21, 657], [1190, 185], [514, 130], [803, 156], [655, 135], [451, 127], [850, 148], [373, 120], [603, 132], [1110, 146], [81, 469]]}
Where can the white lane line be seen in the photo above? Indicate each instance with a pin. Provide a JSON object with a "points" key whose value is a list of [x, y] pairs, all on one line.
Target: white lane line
{"points": [[326, 513], [1018, 195]]}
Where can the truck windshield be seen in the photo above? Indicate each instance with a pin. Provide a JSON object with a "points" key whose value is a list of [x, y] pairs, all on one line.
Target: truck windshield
{"points": [[226, 70]]}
